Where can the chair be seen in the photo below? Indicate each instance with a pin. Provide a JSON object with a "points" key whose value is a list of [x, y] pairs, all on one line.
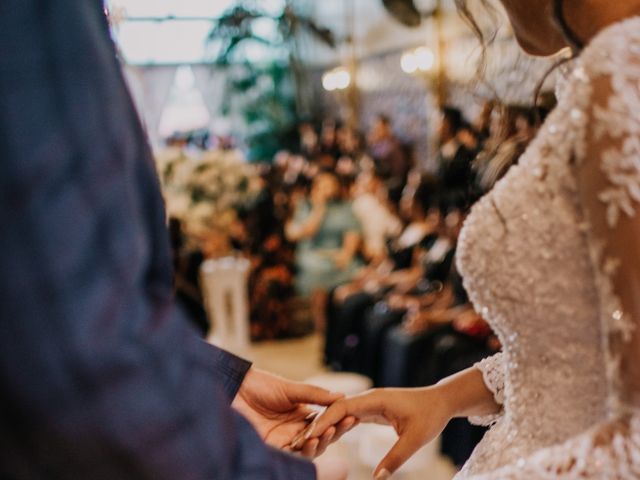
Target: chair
{"points": [[224, 284]]}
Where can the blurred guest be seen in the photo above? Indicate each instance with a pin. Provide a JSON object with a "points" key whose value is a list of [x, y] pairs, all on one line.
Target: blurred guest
{"points": [[349, 143], [371, 207], [309, 141], [328, 237], [329, 138], [387, 151], [454, 159], [400, 266]]}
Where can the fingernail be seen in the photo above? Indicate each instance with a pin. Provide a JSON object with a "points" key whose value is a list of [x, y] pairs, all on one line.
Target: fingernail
{"points": [[310, 430], [384, 474], [295, 443]]}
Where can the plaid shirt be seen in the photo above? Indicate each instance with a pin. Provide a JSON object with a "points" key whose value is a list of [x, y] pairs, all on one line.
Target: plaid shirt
{"points": [[101, 376]]}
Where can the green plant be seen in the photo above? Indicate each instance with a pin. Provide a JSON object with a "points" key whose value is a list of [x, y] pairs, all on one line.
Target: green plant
{"points": [[271, 95]]}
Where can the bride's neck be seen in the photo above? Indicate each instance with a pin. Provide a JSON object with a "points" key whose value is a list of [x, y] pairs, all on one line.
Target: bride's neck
{"points": [[588, 17]]}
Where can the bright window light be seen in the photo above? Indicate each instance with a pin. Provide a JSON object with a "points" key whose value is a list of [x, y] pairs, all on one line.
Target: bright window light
{"points": [[175, 41]]}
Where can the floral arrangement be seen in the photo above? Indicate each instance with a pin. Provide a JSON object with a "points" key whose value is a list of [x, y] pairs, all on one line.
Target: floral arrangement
{"points": [[206, 189]]}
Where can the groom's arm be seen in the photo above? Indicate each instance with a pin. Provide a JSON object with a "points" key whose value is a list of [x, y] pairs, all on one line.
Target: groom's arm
{"points": [[102, 377]]}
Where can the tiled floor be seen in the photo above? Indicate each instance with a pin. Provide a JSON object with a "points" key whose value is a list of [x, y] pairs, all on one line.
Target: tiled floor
{"points": [[300, 360]]}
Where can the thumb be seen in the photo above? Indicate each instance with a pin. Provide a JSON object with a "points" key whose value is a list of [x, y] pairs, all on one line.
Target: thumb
{"points": [[403, 449], [302, 393]]}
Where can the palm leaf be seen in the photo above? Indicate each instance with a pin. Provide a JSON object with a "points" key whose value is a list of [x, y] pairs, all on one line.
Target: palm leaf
{"points": [[404, 11], [232, 43], [319, 32]]}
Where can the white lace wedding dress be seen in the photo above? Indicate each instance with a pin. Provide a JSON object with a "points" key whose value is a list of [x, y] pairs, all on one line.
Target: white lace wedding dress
{"points": [[547, 260]]}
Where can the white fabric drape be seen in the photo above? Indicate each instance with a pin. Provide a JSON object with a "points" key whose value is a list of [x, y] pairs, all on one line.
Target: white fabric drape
{"points": [[150, 87], [211, 84]]}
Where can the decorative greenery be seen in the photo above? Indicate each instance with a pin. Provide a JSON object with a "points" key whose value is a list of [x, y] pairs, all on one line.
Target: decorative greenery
{"points": [[273, 95]]}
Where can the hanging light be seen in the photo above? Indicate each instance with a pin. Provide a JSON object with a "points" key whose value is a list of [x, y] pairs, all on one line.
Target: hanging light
{"points": [[421, 59], [336, 79], [408, 62]]}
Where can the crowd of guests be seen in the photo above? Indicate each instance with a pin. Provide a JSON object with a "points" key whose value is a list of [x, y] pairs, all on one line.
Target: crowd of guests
{"points": [[350, 232]]}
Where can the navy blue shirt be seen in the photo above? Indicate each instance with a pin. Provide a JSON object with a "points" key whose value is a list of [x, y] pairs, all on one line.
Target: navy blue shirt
{"points": [[101, 376]]}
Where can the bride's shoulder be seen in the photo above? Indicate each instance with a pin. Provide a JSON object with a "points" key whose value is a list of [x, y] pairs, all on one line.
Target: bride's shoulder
{"points": [[614, 50]]}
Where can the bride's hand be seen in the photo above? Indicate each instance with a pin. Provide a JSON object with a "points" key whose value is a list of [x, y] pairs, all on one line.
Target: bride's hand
{"points": [[417, 415]]}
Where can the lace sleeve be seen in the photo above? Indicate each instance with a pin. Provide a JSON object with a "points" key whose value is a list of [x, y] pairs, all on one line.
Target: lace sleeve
{"points": [[608, 175], [492, 369]]}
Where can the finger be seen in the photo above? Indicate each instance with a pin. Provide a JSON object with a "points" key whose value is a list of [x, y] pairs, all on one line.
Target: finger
{"points": [[359, 407], [407, 445], [325, 440], [302, 393], [344, 427], [310, 448], [305, 434]]}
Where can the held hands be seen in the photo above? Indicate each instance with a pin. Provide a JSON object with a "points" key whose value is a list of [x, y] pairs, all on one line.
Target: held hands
{"points": [[279, 410], [417, 415]]}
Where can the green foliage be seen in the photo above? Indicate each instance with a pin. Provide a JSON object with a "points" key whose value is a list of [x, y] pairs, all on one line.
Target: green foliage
{"points": [[270, 95], [267, 103]]}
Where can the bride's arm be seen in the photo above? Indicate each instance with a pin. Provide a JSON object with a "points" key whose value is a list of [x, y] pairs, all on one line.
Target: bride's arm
{"points": [[476, 392], [418, 415]]}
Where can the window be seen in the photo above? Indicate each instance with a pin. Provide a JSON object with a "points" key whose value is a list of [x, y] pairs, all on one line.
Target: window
{"points": [[153, 32]]}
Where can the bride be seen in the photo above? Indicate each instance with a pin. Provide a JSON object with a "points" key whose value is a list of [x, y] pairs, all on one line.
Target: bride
{"points": [[563, 294]]}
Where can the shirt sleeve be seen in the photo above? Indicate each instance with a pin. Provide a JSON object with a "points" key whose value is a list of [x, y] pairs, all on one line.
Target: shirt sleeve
{"points": [[231, 370]]}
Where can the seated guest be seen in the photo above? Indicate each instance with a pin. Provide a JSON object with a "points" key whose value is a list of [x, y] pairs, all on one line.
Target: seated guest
{"points": [[329, 138], [349, 143], [429, 290], [400, 266], [388, 152], [379, 223], [454, 157], [328, 237], [417, 208], [309, 141]]}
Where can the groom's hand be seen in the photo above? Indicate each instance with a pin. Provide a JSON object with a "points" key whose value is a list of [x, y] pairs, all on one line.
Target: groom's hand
{"points": [[279, 410]]}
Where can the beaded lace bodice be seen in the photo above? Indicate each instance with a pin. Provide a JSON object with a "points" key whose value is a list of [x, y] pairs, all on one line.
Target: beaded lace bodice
{"points": [[537, 266]]}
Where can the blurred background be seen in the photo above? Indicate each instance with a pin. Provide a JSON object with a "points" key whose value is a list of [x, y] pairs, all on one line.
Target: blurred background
{"points": [[318, 160]]}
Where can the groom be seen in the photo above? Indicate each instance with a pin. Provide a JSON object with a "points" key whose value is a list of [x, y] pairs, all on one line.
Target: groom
{"points": [[101, 376]]}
